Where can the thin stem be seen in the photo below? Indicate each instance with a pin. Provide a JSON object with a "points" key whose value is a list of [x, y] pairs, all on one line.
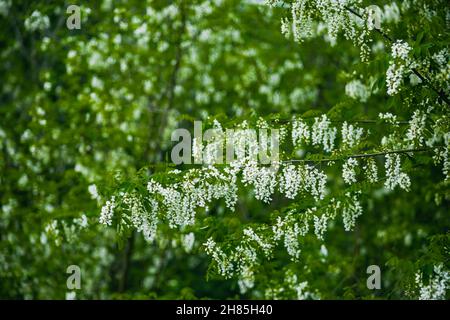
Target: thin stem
{"points": [[363, 155], [356, 156], [368, 121]]}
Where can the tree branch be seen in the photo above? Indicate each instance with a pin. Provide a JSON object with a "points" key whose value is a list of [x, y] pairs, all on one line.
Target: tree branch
{"points": [[424, 79], [368, 121], [362, 155]]}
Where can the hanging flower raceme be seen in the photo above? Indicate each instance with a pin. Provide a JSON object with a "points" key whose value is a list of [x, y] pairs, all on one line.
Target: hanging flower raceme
{"points": [[394, 176]]}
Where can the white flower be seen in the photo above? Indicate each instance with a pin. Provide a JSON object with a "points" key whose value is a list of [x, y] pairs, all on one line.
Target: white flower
{"points": [[401, 50], [348, 171], [351, 135], [262, 178], [225, 267], [398, 67], [290, 180], [394, 78], [315, 181], [290, 230], [300, 132], [144, 221], [291, 242], [394, 176], [323, 134], [93, 191], [301, 21], [265, 246], [188, 241], [446, 164], [351, 211], [416, 128], [210, 244], [96, 83], [37, 21], [437, 285], [286, 27], [82, 221], [246, 280], [108, 211], [441, 57], [371, 170], [277, 229], [323, 250], [389, 117], [299, 288], [320, 225], [357, 90]]}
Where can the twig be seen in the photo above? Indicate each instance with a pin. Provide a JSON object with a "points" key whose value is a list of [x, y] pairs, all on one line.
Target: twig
{"points": [[368, 121], [362, 155]]}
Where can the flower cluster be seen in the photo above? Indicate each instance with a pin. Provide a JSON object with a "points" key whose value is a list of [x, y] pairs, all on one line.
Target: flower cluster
{"points": [[37, 21], [437, 285], [398, 67], [197, 188], [388, 117], [290, 288], [298, 287], [93, 191], [357, 90], [401, 50], [371, 170], [323, 134], [300, 132], [328, 19], [187, 241], [394, 78], [394, 175], [320, 225], [441, 155], [416, 129], [307, 179], [290, 181], [108, 211], [250, 234], [286, 229], [348, 171], [262, 178], [351, 211], [246, 280], [351, 135], [225, 267], [142, 220], [290, 229]]}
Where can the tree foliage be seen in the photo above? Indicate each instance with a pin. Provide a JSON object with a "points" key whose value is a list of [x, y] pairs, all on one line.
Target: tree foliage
{"points": [[360, 96]]}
